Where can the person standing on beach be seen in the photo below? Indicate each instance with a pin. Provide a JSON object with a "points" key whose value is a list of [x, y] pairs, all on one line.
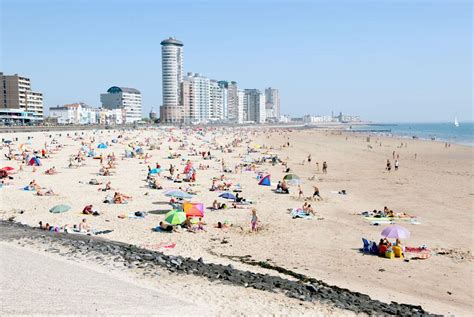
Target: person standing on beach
{"points": [[254, 220], [396, 165], [309, 158], [316, 192], [393, 155], [325, 167], [300, 192], [389, 166]]}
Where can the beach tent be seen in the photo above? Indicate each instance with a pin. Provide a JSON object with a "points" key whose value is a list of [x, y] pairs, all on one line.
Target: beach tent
{"points": [[102, 146], [34, 161], [227, 195], [193, 209], [265, 181]]}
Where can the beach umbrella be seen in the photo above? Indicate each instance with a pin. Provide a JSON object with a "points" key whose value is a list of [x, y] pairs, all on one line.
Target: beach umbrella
{"points": [[178, 194], [227, 195], [175, 217], [59, 208], [289, 177], [8, 169], [102, 146], [154, 171], [395, 232], [193, 209], [7, 141]]}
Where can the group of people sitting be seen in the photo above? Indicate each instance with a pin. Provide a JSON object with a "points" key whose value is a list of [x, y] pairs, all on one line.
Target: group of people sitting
{"points": [[82, 227], [386, 213], [187, 224], [384, 248], [308, 208], [282, 187], [118, 198]]}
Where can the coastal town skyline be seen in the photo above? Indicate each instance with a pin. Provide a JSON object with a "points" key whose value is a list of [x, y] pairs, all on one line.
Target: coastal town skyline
{"points": [[324, 78]]}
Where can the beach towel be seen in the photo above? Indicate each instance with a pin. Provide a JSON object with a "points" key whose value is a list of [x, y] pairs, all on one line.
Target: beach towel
{"points": [[299, 213], [416, 249], [158, 229]]}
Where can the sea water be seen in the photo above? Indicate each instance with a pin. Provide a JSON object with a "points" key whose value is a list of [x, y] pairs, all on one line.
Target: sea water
{"points": [[447, 132]]}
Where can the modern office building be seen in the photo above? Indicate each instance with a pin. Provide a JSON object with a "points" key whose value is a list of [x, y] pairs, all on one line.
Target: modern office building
{"points": [[16, 95], [128, 99], [272, 104], [254, 106], [172, 110]]}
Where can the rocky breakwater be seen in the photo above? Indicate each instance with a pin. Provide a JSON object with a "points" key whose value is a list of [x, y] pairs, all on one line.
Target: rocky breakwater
{"points": [[150, 261]]}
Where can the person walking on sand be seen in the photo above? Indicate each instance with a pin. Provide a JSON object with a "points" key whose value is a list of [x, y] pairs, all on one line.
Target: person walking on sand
{"points": [[254, 220], [300, 192], [309, 158], [325, 167], [389, 166], [396, 165], [316, 192]]}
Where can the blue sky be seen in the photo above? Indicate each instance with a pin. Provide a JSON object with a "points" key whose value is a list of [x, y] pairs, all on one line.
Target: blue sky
{"points": [[384, 60]]}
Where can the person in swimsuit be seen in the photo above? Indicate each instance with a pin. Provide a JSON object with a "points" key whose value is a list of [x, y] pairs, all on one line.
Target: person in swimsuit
{"points": [[254, 220]]}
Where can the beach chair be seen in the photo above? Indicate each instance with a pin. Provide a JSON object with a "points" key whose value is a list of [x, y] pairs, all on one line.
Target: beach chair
{"points": [[374, 249], [366, 247]]}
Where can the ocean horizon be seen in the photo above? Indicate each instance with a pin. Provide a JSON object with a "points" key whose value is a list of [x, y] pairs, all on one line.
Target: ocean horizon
{"points": [[441, 131]]}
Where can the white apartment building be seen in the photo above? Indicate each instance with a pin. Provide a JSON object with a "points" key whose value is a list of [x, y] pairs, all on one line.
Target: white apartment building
{"points": [[254, 106], [240, 105], [129, 99], [76, 113], [196, 98], [218, 96], [110, 116]]}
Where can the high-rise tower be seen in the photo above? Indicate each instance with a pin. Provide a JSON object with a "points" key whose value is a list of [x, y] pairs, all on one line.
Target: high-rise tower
{"points": [[172, 110]]}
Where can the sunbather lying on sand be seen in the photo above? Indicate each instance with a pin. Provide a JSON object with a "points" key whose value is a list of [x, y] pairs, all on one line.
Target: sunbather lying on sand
{"points": [[49, 192], [106, 188], [51, 171], [120, 198], [166, 227]]}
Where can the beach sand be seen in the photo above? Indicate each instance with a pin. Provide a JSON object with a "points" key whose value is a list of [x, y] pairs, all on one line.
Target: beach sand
{"points": [[436, 187]]}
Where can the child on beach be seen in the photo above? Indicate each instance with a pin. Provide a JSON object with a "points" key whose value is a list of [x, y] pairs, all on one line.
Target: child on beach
{"points": [[388, 166], [254, 220]]}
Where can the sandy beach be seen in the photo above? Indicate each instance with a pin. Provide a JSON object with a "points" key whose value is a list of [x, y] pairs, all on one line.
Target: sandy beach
{"points": [[433, 184]]}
